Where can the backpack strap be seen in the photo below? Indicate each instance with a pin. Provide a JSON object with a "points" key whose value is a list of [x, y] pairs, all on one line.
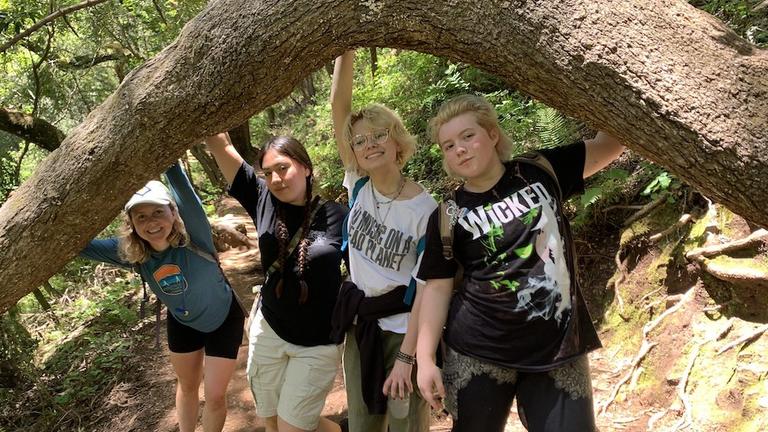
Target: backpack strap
{"points": [[448, 212], [447, 215], [410, 293], [355, 191], [539, 161], [214, 258]]}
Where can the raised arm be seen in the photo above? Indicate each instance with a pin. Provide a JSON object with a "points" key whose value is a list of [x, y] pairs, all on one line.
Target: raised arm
{"points": [[104, 250], [190, 208], [601, 151], [227, 157], [341, 93]]}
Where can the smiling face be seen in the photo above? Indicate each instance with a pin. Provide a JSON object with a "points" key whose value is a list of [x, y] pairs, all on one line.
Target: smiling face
{"points": [[153, 223], [378, 149], [286, 178], [468, 148]]}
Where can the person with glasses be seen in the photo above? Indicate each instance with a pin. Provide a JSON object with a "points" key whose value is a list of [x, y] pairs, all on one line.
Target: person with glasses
{"points": [[385, 227], [292, 361], [167, 239]]}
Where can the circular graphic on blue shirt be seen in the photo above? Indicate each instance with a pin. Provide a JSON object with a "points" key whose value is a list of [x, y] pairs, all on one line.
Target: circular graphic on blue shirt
{"points": [[170, 279]]}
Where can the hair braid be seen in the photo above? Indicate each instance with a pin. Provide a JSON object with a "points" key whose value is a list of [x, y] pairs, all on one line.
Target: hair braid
{"points": [[281, 231], [304, 244]]}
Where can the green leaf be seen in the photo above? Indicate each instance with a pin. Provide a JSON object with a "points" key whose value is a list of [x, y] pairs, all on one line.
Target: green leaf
{"points": [[524, 252], [510, 285], [591, 196]]}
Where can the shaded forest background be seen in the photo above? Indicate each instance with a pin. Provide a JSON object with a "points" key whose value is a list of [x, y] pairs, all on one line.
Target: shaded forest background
{"points": [[52, 78]]}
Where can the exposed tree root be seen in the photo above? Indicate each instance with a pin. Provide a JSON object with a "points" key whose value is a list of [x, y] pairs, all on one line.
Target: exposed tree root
{"points": [[621, 266], [646, 209], [645, 347], [643, 298], [684, 220], [733, 274], [756, 238], [687, 417], [654, 418], [744, 339], [653, 324]]}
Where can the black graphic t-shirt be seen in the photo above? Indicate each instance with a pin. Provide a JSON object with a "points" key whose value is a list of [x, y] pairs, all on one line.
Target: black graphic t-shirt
{"points": [[307, 324], [518, 304]]}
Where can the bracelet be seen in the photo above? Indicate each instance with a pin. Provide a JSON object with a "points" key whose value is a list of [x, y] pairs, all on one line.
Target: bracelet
{"points": [[405, 358]]}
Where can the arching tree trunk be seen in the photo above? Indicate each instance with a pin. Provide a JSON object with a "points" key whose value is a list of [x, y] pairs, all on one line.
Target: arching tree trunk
{"points": [[673, 82]]}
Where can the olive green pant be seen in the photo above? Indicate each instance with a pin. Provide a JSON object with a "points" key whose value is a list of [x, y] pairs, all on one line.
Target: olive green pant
{"points": [[359, 419]]}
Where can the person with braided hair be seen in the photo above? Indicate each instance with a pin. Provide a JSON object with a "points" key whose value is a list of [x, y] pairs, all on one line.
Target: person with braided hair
{"points": [[292, 361]]}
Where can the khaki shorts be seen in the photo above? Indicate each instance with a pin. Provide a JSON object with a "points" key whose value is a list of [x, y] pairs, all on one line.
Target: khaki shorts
{"points": [[287, 380]]}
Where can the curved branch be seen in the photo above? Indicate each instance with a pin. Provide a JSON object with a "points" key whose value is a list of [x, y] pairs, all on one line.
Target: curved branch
{"points": [[620, 70], [32, 129], [47, 20]]}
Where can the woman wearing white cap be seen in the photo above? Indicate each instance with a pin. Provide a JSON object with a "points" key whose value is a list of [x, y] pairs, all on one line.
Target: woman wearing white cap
{"points": [[167, 239]]}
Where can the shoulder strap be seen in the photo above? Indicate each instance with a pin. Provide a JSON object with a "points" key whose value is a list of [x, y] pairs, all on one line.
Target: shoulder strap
{"points": [[214, 258], [296, 237], [355, 191], [447, 215], [539, 161]]}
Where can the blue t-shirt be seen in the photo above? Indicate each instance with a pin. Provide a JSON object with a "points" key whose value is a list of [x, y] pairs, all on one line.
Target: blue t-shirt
{"points": [[191, 286]]}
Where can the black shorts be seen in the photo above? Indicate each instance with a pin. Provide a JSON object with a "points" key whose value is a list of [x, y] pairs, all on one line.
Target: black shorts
{"points": [[222, 342]]}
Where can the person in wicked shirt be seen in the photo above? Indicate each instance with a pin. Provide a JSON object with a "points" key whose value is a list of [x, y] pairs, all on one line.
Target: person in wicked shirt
{"points": [[516, 326], [167, 239]]}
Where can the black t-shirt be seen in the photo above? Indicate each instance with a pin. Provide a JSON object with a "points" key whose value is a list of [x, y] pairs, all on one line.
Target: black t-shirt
{"points": [[307, 324], [518, 304]]}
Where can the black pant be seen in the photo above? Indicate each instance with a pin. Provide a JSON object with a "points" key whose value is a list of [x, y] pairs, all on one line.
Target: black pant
{"points": [[484, 404]]}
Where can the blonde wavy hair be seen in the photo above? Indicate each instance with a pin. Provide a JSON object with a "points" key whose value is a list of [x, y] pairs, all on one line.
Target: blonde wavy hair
{"points": [[136, 250], [485, 115], [378, 116]]}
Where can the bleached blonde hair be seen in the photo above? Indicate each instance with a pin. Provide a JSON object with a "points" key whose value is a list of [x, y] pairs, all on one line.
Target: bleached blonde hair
{"points": [[485, 115], [378, 116]]}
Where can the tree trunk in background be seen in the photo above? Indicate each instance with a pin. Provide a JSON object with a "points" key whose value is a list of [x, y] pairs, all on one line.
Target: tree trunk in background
{"points": [[674, 83], [374, 61], [209, 166], [241, 139]]}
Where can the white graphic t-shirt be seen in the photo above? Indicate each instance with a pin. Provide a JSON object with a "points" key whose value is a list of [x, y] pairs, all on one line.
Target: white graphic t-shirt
{"points": [[383, 242]]}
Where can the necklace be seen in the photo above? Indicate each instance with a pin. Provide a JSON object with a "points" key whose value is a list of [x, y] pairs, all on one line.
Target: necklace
{"points": [[386, 202], [400, 188]]}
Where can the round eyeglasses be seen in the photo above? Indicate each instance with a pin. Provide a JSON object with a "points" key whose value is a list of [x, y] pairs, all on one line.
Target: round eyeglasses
{"points": [[377, 137]]}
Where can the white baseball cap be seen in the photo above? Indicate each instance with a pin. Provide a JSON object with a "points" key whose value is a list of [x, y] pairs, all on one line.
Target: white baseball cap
{"points": [[153, 192]]}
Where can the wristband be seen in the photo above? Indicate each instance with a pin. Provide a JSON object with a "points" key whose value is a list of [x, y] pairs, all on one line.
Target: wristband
{"points": [[405, 358]]}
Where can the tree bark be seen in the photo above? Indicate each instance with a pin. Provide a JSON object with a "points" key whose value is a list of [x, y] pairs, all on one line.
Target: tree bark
{"points": [[674, 83], [30, 128]]}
